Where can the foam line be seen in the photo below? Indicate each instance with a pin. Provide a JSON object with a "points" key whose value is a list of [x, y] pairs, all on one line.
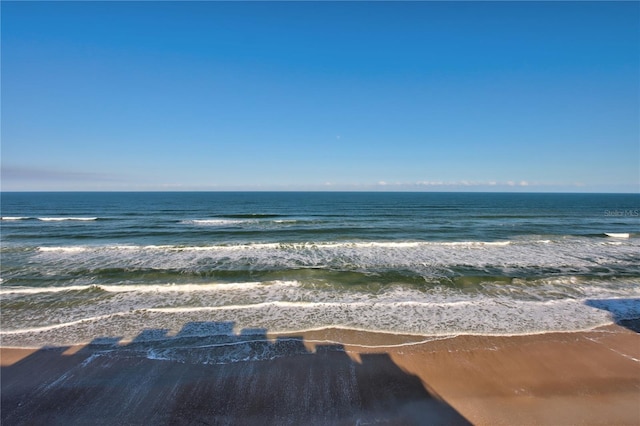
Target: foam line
{"points": [[38, 290], [61, 219], [310, 245], [288, 246], [69, 249], [159, 288], [62, 325], [311, 305], [216, 222], [617, 234], [324, 342]]}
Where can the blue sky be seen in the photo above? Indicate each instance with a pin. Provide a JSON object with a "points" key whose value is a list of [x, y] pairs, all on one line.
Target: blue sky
{"points": [[522, 96]]}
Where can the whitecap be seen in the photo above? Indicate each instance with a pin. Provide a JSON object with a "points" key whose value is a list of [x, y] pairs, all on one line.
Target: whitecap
{"points": [[617, 234], [62, 219], [67, 249], [213, 222]]}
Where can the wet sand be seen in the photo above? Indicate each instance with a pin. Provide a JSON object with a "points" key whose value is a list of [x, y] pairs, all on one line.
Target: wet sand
{"points": [[333, 377]]}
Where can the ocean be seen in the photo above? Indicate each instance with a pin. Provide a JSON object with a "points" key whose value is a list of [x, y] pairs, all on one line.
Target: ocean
{"points": [[80, 267]]}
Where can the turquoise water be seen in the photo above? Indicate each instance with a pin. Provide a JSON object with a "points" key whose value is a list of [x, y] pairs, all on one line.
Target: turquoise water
{"points": [[80, 265]]}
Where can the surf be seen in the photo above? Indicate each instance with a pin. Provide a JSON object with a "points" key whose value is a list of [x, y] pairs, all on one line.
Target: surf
{"points": [[64, 219], [617, 234]]}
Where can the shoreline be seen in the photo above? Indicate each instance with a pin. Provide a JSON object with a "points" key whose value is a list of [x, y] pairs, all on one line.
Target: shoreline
{"points": [[334, 376], [406, 338]]}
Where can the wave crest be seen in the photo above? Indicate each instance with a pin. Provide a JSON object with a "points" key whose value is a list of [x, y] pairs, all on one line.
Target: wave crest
{"points": [[64, 219]]}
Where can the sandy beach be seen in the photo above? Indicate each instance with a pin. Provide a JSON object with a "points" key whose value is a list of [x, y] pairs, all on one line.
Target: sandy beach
{"points": [[333, 377]]}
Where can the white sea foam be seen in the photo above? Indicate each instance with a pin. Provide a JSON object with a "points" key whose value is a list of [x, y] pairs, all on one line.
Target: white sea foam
{"points": [[246, 221], [62, 219], [302, 246], [476, 316], [155, 289], [428, 259], [213, 222], [617, 234], [475, 243], [349, 245], [380, 244], [312, 306], [62, 325], [310, 300], [522, 307], [14, 218], [198, 288], [39, 290], [68, 249]]}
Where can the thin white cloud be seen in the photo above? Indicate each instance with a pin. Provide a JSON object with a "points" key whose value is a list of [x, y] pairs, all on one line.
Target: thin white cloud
{"points": [[471, 185], [28, 178], [18, 178], [20, 173]]}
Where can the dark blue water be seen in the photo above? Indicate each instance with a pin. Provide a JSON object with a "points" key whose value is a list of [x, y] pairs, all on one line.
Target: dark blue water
{"points": [[160, 218], [422, 263]]}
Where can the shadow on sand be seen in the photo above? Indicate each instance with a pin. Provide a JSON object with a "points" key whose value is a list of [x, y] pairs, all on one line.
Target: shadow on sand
{"points": [[223, 378], [620, 310]]}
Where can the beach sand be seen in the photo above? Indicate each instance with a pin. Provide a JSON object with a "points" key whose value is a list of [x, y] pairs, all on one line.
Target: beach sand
{"points": [[333, 376]]}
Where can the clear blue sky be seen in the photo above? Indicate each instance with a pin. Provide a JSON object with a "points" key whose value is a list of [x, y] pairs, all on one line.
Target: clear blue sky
{"points": [[522, 96]]}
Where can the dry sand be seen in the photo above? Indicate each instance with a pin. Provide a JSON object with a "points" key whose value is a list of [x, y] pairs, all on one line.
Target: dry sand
{"points": [[336, 377]]}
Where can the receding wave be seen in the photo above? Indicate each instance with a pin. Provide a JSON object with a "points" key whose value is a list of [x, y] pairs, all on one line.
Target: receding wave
{"points": [[479, 315]]}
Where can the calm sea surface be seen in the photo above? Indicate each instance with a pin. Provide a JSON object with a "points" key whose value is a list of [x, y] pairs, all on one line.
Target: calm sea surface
{"points": [[76, 266]]}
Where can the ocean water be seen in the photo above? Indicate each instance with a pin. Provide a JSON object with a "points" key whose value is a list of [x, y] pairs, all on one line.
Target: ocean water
{"points": [[76, 267]]}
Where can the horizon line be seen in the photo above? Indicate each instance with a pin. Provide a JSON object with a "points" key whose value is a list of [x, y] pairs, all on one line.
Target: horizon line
{"points": [[313, 191]]}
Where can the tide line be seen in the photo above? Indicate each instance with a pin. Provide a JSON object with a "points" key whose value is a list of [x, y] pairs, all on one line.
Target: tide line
{"points": [[62, 325]]}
